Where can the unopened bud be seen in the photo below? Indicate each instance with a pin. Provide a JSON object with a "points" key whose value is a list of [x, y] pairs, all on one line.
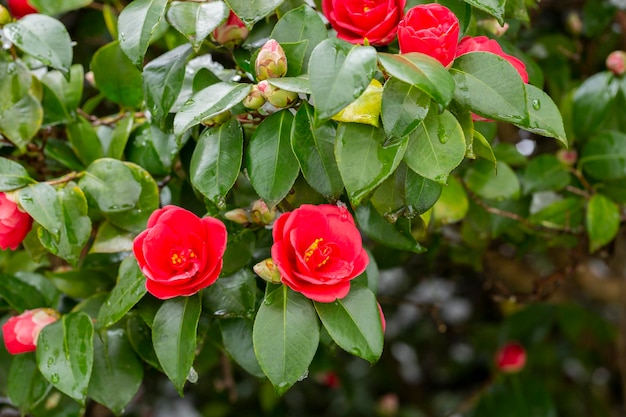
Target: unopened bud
{"points": [[574, 23], [237, 215], [255, 99], [267, 270], [261, 214], [5, 16], [271, 61], [218, 119], [231, 33], [616, 62], [277, 97], [567, 157], [511, 358], [494, 27]]}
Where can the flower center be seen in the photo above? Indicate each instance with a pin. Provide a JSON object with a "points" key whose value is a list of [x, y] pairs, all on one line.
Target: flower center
{"points": [[180, 257], [318, 253]]}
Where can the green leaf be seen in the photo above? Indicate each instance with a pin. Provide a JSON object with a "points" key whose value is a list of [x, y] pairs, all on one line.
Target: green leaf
{"points": [[43, 37], [354, 323], [61, 96], [545, 118], [233, 296], [496, 8], [119, 136], [314, 148], [299, 84], [297, 25], [136, 25], [604, 156], [404, 106], [130, 288], [563, 214], [42, 285], [26, 386], [41, 202], [491, 87], [272, 166], [363, 160], [436, 147], [453, 204], [421, 71], [216, 161], [592, 101], [602, 220], [163, 78], [15, 83], [208, 103], [285, 337], [65, 354], [196, 20], [58, 7], [84, 140], [62, 152], [377, 228], [174, 337], [251, 11], [111, 239], [339, 73], [21, 122], [20, 295], [153, 149], [121, 83], [140, 336], [498, 184], [544, 173], [117, 371], [75, 228], [13, 175], [482, 148], [110, 186], [237, 339]]}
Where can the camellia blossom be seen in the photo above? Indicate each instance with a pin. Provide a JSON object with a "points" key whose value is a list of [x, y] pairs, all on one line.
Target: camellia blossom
{"points": [[484, 44], [361, 21], [511, 357], [20, 333], [180, 253], [14, 223], [20, 8], [431, 29], [318, 250]]}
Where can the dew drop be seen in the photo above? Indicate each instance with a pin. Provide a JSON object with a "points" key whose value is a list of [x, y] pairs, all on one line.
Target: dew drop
{"points": [[50, 361], [536, 104], [54, 378], [355, 351], [220, 313], [304, 376]]}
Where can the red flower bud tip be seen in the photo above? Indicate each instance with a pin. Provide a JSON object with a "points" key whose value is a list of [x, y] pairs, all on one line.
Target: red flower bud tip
{"points": [[382, 318], [330, 379], [14, 223], [511, 358], [20, 8], [616, 62], [20, 333], [567, 157], [271, 62], [267, 270], [255, 99], [231, 33]]}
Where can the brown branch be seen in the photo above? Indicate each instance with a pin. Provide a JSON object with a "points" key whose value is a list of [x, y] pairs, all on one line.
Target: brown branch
{"points": [[65, 178]]}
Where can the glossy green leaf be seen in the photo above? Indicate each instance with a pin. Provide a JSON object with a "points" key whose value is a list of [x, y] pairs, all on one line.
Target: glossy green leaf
{"points": [[339, 73], [61, 96], [363, 160], [163, 79], [174, 337], [491, 87], [21, 122], [602, 221], [285, 337], [482, 148], [562, 214], [404, 106], [592, 101], [496, 8], [604, 156], [42, 285], [545, 117], [13, 175], [58, 7], [196, 20], [544, 173], [26, 386], [208, 103], [110, 186], [296, 55], [136, 25], [19, 294], [84, 140], [314, 147], [130, 288], [65, 354], [498, 184], [436, 147], [453, 204], [421, 71], [377, 228], [299, 84], [251, 11], [237, 339], [43, 37], [271, 164], [153, 149], [216, 161], [117, 371], [111, 239], [121, 83], [233, 296], [15, 83], [62, 152], [41, 202], [354, 323], [239, 250], [297, 25], [140, 336], [119, 136]]}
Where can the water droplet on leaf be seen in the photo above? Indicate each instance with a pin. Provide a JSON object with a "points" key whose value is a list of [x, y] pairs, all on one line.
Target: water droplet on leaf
{"points": [[536, 104]]}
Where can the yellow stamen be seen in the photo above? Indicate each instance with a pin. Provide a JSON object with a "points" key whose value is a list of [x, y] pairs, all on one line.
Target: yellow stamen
{"points": [[309, 251]]}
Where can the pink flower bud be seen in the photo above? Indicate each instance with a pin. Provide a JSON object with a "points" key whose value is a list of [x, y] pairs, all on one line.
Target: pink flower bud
{"points": [[267, 270], [237, 215], [271, 61], [616, 62], [20, 333], [277, 97], [254, 100], [261, 214], [231, 33], [14, 223], [567, 156], [511, 358]]}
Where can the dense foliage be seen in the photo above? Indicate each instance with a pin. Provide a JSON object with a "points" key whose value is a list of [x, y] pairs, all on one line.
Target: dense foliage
{"points": [[285, 207]]}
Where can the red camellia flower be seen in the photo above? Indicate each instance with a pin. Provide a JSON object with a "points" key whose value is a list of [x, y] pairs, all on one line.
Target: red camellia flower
{"points": [[180, 253], [358, 20], [20, 333], [484, 44], [20, 8], [511, 357], [430, 29], [14, 223], [318, 250]]}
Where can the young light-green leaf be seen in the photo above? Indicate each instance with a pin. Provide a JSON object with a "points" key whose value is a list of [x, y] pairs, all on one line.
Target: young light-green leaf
{"points": [[13, 175], [602, 220]]}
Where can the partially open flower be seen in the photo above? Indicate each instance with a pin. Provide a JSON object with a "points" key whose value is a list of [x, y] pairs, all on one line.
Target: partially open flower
{"points": [[14, 223], [231, 33], [511, 357], [271, 62], [20, 333], [616, 62]]}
